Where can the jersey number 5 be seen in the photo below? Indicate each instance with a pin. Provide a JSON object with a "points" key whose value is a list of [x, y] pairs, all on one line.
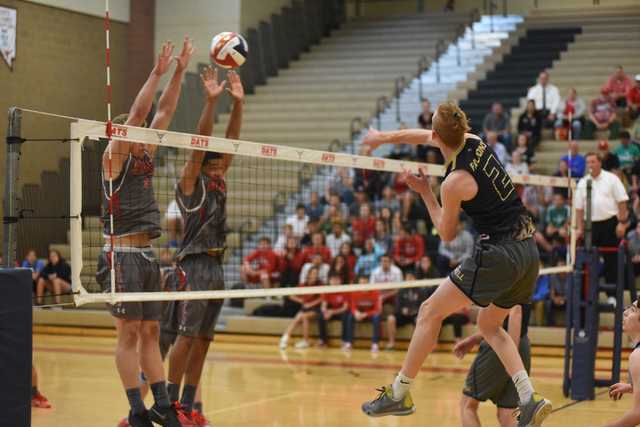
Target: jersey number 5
{"points": [[499, 177]]}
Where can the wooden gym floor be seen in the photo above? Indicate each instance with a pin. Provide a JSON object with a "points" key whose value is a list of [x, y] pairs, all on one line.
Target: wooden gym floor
{"points": [[259, 385]]}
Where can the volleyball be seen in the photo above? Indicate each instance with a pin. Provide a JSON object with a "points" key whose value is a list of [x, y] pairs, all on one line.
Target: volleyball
{"points": [[229, 50]]}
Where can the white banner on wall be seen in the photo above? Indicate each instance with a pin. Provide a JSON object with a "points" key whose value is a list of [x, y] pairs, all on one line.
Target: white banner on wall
{"points": [[8, 22]]}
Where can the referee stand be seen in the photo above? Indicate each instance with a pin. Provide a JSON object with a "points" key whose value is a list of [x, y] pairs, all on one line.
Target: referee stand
{"points": [[583, 314]]}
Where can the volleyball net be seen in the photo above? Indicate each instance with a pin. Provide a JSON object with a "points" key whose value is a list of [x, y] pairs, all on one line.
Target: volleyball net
{"points": [[265, 186]]}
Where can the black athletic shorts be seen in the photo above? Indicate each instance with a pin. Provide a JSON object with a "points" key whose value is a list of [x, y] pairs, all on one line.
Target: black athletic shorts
{"points": [[402, 320]]}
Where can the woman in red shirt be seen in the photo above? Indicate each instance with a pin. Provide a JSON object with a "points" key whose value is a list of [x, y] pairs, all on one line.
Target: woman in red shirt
{"points": [[346, 250], [345, 272], [308, 312]]}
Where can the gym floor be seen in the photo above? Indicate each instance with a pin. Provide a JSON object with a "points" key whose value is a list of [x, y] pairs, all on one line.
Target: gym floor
{"points": [[257, 384]]}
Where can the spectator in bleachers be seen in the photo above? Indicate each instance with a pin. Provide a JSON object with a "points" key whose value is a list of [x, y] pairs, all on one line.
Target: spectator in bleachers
{"points": [[339, 266], [317, 247], [365, 223], [312, 228], [557, 295], [633, 237], [370, 258], [314, 208], [360, 199], [530, 123], [175, 224], [558, 218], [372, 180], [341, 208], [298, 221], [635, 134], [384, 273], [501, 151], [340, 181], [627, 153], [451, 253], [578, 162], [610, 161], [357, 242], [572, 105], [400, 151], [365, 306], [308, 312], [388, 200], [281, 243], [317, 261], [546, 98], [516, 165], [383, 238], [425, 269], [499, 122], [266, 270], [632, 110], [458, 319], [527, 154], [55, 277], [426, 153], [602, 115], [334, 306], [619, 85], [562, 172], [290, 263], [450, 6], [406, 311], [409, 248], [399, 185], [346, 250], [391, 223], [31, 261], [536, 198], [337, 237], [540, 296]]}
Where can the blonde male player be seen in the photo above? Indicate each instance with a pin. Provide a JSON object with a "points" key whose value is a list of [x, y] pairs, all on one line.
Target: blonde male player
{"points": [[136, 220], [501, 274], [201, 193], [630, 325]]}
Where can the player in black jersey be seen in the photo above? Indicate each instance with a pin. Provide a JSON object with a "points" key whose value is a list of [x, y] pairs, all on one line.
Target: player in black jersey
{"points": [[136, 220], [201, 193], [502, 273]]}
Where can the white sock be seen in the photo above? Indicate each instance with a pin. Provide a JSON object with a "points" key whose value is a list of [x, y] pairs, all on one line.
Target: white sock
{"points": [[284, 338], [402, 385], [523, 385]]}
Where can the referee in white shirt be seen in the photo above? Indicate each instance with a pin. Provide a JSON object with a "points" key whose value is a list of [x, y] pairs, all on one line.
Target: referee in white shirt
{"points": [[608, 211]]}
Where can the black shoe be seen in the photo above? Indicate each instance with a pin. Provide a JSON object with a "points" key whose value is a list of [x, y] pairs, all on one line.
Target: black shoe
{"points": [[140, 420], [166, 417]]}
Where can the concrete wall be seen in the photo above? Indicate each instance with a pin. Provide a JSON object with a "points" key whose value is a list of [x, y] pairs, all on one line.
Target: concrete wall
{"points": [[118, 9]]}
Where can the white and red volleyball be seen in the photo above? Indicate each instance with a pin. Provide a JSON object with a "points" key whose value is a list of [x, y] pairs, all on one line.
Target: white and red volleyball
{"points": [[229, 50]]}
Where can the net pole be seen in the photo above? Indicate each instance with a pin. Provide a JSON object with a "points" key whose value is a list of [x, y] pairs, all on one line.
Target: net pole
{"points": [[76, 208], [14, 121], [112, 257]]}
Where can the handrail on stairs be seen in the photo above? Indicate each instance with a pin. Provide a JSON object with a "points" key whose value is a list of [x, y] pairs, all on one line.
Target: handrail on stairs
{"points": [[381, 105], [440, 45], [423, 65], [400, 83], [353, 132]]}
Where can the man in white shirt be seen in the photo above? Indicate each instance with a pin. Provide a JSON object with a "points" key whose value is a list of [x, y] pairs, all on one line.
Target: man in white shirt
{"points": [[323, 269], [608, 211], [298, 222], [386, 272], [546, 97], [337, 237]]}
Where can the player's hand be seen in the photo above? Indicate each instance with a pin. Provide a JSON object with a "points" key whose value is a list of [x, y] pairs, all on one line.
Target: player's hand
{"points": [[462, 348], [210, 83], [235, 88], [405, 311], [372, 139], [617, 390], [164, 58], [187, 50], [419, 184]]}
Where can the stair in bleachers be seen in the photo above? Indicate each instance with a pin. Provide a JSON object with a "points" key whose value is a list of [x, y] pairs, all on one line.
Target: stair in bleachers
{"points": [[518, 71]]}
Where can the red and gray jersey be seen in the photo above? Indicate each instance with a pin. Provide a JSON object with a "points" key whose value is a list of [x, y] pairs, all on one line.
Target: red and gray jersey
{"points": [[205, 216], [135, 209]]}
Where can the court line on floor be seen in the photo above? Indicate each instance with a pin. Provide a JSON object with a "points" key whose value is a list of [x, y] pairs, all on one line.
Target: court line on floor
{"points": [[257, 402], [578, 401]]}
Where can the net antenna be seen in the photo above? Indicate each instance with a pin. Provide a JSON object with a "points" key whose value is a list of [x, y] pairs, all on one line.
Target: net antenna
{"points": [[85, 129], [111, 253]]}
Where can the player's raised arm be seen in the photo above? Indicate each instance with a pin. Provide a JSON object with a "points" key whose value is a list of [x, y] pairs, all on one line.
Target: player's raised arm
{"points": [[191, 171], [139, 110], [169, 99], [236, 91]]}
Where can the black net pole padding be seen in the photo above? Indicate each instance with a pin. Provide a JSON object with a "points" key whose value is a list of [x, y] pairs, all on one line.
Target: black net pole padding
{"points": [[10, 219], [15, 140]]}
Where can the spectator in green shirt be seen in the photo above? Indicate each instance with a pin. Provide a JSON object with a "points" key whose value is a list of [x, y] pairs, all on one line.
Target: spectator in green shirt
{"points": [[558, 217], [627, 153]]}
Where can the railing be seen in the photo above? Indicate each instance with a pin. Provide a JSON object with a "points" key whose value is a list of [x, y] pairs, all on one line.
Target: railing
{"points": [[381, 105], [305, 172], [439, 50], [460, 30], [474, 16], [400, 84], [422, 67], [353, 132], [333, 145]]}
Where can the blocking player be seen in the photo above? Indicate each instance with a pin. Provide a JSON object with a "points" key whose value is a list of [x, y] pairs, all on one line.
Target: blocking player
{"points": [[487, 378], [502, 272], [630, 325], [201, 193], [136, 221]]}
